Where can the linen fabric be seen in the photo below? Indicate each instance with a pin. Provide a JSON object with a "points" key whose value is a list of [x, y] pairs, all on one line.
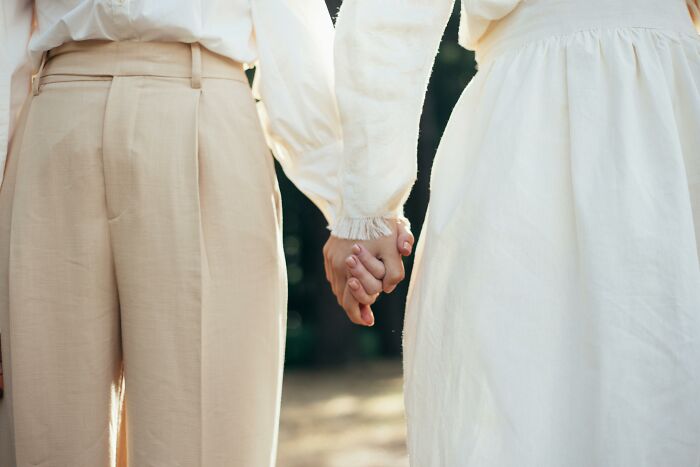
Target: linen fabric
{"points": [[142, 279], [290, 41], [384, 55], [553, 316]]}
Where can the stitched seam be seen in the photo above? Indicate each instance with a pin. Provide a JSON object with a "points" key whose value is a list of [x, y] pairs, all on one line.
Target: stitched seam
{"points": [[498, 50]]}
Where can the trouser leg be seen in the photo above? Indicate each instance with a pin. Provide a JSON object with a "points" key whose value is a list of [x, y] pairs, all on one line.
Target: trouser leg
{"points": [[58, 299], [193, 209]]}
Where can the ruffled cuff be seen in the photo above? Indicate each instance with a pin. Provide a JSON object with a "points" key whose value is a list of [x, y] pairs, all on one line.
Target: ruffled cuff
{"points": [[366, 228]]}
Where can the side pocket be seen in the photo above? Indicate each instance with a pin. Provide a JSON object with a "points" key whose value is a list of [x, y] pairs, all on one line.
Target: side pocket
{"points": [[15, 141]]}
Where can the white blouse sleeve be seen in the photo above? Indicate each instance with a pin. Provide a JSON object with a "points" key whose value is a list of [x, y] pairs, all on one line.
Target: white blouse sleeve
{"points": [[477, 16], [15, 66], [295, 85], [385, 50]]}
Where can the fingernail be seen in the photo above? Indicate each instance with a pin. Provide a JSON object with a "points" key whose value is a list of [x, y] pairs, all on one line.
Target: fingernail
{"points": [[367, 317], [354, 285], [351, 261], [356, 249], [407, 247]]}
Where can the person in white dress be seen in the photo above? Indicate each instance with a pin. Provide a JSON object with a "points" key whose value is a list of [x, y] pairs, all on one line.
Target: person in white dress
{"points": [[553, 317]]}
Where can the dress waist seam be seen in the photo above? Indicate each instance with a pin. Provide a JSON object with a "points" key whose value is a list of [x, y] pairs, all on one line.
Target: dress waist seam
{"points": [[490, 50]]}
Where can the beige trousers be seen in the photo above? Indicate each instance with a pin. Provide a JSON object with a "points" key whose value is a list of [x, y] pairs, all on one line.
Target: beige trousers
{"points": [[142, 281]]}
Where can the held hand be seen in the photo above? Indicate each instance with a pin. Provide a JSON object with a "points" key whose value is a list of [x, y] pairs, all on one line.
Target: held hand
{"points": [[404, 239], [386, 269], [367, 271], [336, 254]]}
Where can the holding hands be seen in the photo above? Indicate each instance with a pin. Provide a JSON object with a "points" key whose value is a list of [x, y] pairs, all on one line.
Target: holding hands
{"points": [[359, 270]]}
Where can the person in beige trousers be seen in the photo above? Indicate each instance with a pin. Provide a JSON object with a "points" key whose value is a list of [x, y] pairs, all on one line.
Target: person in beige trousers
{"points": [[142, 278]]}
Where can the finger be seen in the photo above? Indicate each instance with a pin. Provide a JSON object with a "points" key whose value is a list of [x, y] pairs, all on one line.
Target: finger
{"points": [[332, 278], [373, 264], [395, 272], [334, 283], [352, 309], [404, 239], [359, 293], [367, 315], [369, 282], [329, 273], [340, 277], [325, 268], [338, 291]]}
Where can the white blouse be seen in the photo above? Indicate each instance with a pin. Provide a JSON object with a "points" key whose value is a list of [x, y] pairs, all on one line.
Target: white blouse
{"points": [[384, 55], [290, 41]]}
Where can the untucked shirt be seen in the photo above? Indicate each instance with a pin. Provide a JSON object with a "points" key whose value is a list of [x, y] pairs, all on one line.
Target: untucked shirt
{"points": [[290, 41]]}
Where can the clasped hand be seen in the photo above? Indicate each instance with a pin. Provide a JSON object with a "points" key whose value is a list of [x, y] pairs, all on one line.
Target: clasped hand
{"points": [[359, 270]]}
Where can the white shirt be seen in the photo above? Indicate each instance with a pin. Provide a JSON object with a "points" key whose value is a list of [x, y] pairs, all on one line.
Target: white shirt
{"points": [[290, 41], [385, 51]]}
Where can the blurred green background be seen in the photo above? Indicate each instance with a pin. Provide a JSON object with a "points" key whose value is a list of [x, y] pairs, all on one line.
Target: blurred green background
{"points": [[319, 334]]}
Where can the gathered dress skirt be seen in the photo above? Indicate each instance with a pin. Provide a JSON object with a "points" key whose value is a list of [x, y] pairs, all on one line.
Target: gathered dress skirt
{"points": [[554, 311]]}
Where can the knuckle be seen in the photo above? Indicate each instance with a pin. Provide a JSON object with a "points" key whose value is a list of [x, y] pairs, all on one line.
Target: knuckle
{"points": [[394, 278], [338, 265], [358, 297], [365, 300], [364, 297]]}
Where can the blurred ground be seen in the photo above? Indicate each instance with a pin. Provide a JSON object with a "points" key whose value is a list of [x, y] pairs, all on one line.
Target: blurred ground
{"points": [[350, 417]]}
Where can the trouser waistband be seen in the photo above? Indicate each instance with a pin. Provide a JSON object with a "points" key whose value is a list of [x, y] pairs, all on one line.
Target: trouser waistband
{"points": [[130, 58]]}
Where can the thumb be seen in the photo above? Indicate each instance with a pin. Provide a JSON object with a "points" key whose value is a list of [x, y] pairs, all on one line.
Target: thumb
{"points": [[404, 239]]}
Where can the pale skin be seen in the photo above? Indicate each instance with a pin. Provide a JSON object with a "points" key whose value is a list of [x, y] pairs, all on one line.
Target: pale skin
{"points": [[359, 270]]}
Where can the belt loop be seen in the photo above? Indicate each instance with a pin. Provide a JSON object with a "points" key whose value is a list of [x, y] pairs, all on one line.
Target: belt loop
{"points": [[196, 65], [36, 77]]}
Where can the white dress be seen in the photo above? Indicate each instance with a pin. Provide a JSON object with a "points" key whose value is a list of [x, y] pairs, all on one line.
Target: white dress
{"points": [[554, 310]]}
